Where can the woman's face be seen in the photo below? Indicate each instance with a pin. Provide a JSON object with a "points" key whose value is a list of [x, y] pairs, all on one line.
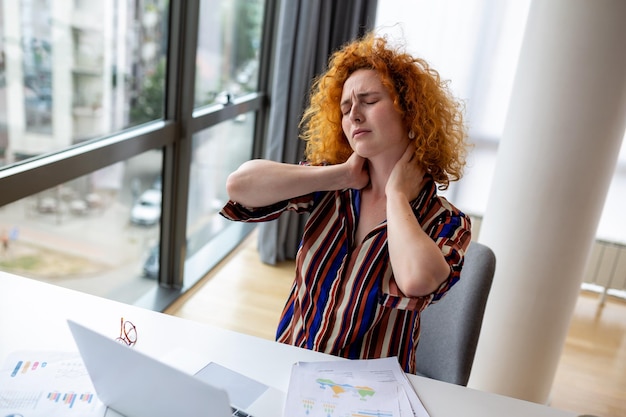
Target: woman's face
{"points": [[370, 121]]}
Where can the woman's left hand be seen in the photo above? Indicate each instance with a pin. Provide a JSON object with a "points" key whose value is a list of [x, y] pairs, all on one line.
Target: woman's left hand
{"points": [[419, 266]]}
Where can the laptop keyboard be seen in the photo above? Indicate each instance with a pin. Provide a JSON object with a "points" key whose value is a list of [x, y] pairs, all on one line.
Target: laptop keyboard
{"points": [[239, 413]]}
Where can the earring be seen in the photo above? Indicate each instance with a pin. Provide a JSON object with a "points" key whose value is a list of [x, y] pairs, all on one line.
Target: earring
{"points": [[411, 134]]}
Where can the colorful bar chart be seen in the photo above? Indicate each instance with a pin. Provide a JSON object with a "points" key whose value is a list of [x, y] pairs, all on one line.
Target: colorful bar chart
{"points": [[23, 367], [69, 398], [47, 383]]}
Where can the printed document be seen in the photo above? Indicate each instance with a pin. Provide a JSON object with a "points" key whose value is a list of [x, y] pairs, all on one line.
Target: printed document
{"points": [[34, 384], [368, 387]]}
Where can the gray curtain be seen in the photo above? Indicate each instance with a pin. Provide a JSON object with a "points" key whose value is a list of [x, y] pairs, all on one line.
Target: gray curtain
{"points": [[308, 32]]}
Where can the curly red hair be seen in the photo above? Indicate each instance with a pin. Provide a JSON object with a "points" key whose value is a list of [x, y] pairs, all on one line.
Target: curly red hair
{"points": [[420, 96]]}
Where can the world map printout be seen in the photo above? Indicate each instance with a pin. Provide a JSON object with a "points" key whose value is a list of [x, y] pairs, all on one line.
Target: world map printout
{"points": [[351, 388]]}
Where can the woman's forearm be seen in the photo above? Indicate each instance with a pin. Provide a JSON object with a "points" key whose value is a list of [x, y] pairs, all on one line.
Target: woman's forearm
{"points": [[418, 265], [259, 182]]}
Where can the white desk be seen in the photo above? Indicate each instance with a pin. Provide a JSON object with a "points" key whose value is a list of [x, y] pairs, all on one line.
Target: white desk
{"points": [[33, 316]]}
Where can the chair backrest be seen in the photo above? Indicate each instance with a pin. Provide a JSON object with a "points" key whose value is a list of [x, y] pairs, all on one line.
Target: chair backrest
{"points": [[450, 328]]}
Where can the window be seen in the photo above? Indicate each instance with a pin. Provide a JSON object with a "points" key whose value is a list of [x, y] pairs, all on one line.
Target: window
{"points": [[217, 152], [86, 233], [80, 71], [229, 41], [113, 168]]}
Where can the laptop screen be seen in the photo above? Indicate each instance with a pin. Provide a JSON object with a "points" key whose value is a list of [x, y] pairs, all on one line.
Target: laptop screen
{"points": [[137, 385]]}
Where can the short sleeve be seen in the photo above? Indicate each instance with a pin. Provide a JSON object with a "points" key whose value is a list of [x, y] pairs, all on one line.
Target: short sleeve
{"points": [[453, 236], [238, 212], [451, 231]]}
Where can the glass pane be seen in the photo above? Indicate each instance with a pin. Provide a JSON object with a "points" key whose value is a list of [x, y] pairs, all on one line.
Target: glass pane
{"points": [[229, 41], [77, 70], [217, 152], [95, 234]]}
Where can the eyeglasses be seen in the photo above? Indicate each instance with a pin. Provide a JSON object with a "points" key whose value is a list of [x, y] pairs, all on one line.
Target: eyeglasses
{"points": [[128, 333]]}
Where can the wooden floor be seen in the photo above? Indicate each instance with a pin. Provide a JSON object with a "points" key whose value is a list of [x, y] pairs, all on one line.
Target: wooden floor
{"points": [[247, 296]]}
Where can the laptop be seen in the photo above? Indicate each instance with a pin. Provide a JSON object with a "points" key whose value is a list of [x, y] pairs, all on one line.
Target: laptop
{"points": [[133, 384]]}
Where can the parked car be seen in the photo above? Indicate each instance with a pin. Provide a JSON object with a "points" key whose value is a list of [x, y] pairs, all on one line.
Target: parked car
{"points": [[157, 184], [151, 265], [147, 209]]}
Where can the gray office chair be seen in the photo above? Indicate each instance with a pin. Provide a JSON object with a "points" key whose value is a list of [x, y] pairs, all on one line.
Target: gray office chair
{"points": [[450, 327]]}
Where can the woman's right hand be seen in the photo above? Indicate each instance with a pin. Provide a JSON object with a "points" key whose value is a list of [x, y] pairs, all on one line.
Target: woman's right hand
{"points": [[358, 174]]}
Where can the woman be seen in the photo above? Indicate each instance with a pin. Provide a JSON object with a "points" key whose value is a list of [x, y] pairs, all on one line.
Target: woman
{"points": [[379, 244]]}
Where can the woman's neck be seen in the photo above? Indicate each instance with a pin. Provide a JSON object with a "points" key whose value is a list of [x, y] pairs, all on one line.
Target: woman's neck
{"points": [[379, 174]]}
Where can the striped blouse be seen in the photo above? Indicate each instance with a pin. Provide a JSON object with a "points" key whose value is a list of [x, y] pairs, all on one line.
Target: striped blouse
{"points": [[344, 299]]}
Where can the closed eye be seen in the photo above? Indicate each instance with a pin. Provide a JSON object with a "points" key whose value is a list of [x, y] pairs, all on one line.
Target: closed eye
{"points": [[368, 98]]}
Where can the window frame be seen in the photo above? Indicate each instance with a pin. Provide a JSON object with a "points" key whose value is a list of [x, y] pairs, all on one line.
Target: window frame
{"points": [[173, 135]]}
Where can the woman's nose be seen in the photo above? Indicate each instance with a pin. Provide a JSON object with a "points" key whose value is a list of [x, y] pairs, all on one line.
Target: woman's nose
{"points": [[355, 113]]}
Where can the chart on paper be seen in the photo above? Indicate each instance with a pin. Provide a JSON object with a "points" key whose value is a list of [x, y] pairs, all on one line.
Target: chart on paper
{"points": [[346, 397], [47, 383], [354, 388]]}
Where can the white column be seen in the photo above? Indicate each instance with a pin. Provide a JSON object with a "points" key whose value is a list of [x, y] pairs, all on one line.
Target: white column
{"points": [[559, 149]]}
